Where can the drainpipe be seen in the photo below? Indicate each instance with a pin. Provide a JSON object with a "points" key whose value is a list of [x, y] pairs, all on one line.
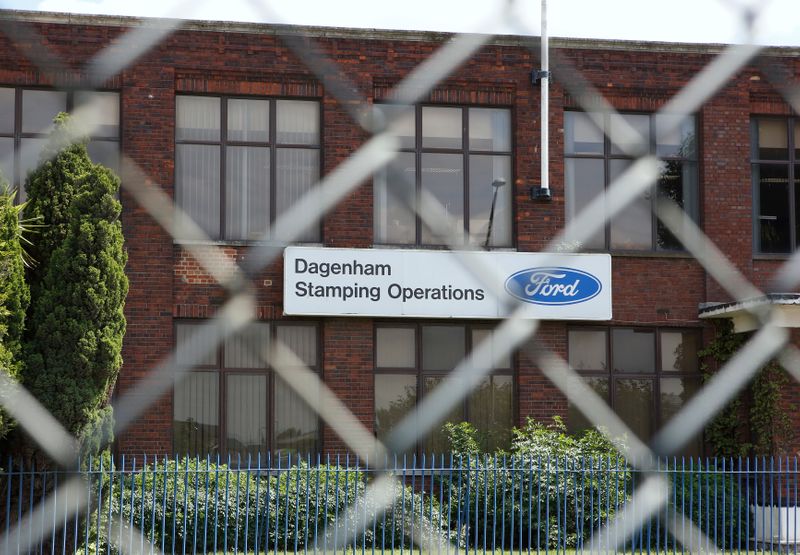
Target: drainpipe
{"points": [[543, 77]]}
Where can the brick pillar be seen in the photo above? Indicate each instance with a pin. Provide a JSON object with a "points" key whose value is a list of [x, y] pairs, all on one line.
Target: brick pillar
{"points": [[537, 396], [148, 105], [347, 370]]}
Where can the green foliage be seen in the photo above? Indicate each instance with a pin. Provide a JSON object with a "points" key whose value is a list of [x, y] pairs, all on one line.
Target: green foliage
{"points": [[549, 474], [769, 424], [51, 187], [76, 319], [14, 293], [753, 422], [221, 508], [462, 438], [546, 469]]}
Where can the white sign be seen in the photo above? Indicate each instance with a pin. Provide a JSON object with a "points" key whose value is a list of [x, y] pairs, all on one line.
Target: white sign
{"points": [[435, 284]]}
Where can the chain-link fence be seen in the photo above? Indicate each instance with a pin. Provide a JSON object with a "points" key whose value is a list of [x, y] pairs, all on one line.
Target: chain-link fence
{"points": [[515, 332]]}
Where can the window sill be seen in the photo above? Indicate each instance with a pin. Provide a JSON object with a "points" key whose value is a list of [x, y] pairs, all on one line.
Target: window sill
{"points": [[386, 246], [772, 256], [232, 243], [682, 255]]}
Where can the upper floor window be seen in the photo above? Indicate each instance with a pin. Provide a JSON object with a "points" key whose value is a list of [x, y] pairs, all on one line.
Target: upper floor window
{"points": [[461, 157], [26, 119], [411, 360], [241, 162], [592, 162], [646, 375], [776, 183], [232, 402]]}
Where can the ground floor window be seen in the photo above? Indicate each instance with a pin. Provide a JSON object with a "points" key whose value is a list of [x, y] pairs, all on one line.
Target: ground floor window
{"points": [[645, 374], [233, 402], [412, 359]]}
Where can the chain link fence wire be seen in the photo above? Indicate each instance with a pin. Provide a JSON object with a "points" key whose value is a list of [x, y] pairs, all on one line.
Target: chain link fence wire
{"points": [[514, 333]]}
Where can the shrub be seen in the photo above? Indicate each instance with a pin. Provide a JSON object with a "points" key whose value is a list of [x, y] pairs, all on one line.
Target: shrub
{"points": [[217, 507], [522, 495]]}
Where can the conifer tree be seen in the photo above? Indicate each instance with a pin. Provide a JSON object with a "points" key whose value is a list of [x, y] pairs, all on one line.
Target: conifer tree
{"points": [[76, 319], [14, 293]]}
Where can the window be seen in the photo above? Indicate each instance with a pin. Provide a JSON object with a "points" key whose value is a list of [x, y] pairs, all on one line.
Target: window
{"points": [[233, 403], [411, 360], [592, 162], [26, 119], [461, 157], [241, 162], [776, 183], [645, 374]]}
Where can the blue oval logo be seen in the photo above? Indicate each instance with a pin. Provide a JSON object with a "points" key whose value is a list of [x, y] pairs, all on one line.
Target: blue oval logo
{"points": [[553, 286]]}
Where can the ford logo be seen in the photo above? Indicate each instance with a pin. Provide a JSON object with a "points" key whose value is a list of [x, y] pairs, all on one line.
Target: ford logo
{"points": [[553, 286]]}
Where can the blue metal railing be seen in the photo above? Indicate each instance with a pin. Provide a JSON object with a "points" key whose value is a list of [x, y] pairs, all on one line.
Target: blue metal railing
{"points": [[443, 504]]}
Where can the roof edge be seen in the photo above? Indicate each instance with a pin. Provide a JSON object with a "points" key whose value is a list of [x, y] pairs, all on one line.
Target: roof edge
{"points": [[372, 33]]}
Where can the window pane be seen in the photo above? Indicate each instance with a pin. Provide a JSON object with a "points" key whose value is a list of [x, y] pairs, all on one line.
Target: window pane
{"points": [[633, 351], [7, 111], [296, 424], [30, 151], [100, 111], [675, 392], [443, 347], [796, 140], [490, 411], [575, 418], [587, 350], [479, 335], [7, 159], [679, 351], [247, 192], [197, 185], [297, 171], [675, 136], [678, 183], [39, 108], [773, 140], [772, 184], [584, 181], [248, 120], [634, 402], [395, 348], [489, 129], [631, 229], [190, 346], [436, 441], [302, 340], [631, 133], [395, 396], [297, 122], [248, 348], [484, 172], [105, 153], [581, 135], [443, 177], [197, 118], [246, 407], [196, 414], [797, 204], [405, 126], [441, 127], [394, 222]]}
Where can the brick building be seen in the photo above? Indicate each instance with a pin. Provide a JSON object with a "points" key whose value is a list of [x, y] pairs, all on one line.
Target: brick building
{"points": [[232, 125]]}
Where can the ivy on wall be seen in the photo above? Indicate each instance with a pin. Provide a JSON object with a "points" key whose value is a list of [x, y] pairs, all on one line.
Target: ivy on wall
{"points": [[754, 422]]}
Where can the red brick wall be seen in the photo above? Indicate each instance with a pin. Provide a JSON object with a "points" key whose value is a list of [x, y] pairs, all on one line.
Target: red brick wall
{"points": [[166, 281]]}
